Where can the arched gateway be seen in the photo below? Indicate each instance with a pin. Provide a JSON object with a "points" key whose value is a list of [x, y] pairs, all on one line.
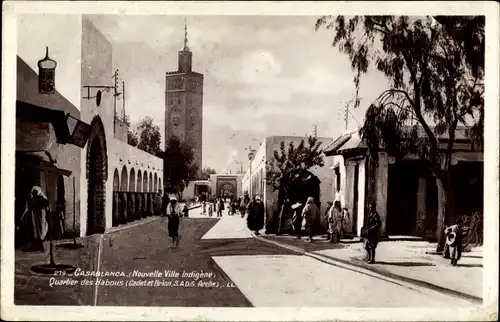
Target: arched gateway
{"points": [[97, 163]]}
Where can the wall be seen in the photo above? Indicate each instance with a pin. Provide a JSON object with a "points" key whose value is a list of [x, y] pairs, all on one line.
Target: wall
{"points": [[121, 132], [96, 69], [121, 154]]}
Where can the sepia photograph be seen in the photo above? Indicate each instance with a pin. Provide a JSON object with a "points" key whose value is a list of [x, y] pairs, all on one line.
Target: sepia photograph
{"points": [[246, 160]]}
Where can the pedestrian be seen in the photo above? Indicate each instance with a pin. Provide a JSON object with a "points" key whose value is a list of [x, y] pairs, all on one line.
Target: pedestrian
{"points": [[311, 217], [210, 208], [255, 219], [221, 206], [35, 217], [185, 210], [338, 221], [328, 217], [297, 219], [244, 204], [453, 243], [173, 213], [345, 217], [370, 232]]}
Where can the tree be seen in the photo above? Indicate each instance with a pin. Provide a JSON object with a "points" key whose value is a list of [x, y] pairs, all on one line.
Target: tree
{"points": [[435, 67], [132, 138], [206, 172], [149, 136], [290, 164], [179, 167]]}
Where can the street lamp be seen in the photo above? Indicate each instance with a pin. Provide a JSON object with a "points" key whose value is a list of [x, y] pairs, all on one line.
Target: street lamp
{"points": [[251, 155]]}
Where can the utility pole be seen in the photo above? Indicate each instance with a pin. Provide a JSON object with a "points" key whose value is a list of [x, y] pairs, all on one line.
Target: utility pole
{"points": [[346, 117], [123, 108], [115, 94]]}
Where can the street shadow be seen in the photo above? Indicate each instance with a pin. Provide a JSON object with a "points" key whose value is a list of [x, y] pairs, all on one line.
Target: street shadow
{"points": [[470, 265], [405, 264], [472, 256]]}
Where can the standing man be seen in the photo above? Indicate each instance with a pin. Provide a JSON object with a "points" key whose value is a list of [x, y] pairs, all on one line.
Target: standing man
{"points": [[173, 213], [255, 219]]}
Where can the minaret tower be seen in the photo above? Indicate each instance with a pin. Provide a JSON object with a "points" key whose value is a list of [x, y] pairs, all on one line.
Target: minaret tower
{"points": [[184, 102], [185, 55]]}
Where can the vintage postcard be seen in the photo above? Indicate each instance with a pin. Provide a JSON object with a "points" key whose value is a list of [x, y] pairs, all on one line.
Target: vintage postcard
{"points": [[250, 161]]}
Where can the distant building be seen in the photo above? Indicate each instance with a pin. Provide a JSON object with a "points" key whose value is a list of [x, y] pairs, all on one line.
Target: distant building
{"points": [[405, 191], [184, 104], [254, 180], [219, 185]]}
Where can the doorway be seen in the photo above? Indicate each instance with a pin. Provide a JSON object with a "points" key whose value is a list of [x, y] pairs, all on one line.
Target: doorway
{"points": [[96, 189], [402, 197]]}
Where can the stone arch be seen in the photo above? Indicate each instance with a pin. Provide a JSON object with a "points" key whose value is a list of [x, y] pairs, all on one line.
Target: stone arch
{"points": [[99, 132], [155, 186], [131, 185], [124, 185], [116, 198], [145, 182], [151, 182], [116, 180], [139, 181], [96, 173]]}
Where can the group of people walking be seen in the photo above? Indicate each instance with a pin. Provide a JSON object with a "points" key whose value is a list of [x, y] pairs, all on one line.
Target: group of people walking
{"points": [[213, 205]]}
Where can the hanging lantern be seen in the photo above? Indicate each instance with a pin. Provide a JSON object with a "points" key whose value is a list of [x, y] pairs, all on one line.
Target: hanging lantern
{"points": [[46, 74]]}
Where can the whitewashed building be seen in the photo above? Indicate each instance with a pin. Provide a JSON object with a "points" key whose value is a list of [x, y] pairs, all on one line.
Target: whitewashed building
{"points": [[92, 175]]}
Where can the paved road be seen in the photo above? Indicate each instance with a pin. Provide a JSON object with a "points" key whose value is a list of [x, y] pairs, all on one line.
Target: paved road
{"points": [[242, 272], [147, 249]]}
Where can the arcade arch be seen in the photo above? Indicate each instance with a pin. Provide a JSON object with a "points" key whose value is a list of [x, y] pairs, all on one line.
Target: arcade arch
{"points": [[145, 182], [139, 181], [96, 171], [124, 185], [131, 185]]}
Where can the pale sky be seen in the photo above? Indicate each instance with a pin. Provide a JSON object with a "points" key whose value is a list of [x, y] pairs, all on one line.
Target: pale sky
{"points": [[264, 75]]}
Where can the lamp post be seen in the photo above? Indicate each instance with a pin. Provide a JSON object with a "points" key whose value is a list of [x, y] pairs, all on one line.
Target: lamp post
{"points": [[251, 155]]}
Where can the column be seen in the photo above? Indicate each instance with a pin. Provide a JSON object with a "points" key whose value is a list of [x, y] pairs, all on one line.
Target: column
{"points": [[421, 210], [381, 184], [349, 194]]}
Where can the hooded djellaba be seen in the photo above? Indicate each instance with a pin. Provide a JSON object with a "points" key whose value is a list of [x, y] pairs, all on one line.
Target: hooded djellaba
{"points": [[255, 219], [36, 216], [311, 216]]}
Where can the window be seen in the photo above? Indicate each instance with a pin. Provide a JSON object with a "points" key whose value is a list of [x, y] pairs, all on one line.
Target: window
{"points": [[46, 81], [176, 120], [337, 178]]}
